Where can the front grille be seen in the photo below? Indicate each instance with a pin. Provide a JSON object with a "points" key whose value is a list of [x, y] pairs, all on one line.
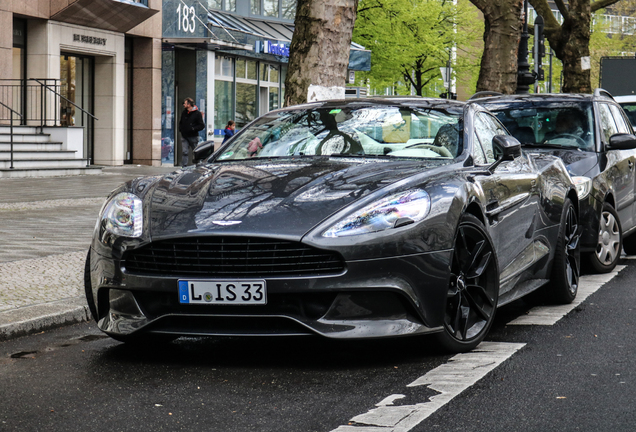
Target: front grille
{"points": [[231, 257]]}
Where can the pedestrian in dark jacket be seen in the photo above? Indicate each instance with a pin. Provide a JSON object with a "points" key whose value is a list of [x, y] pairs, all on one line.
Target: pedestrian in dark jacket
{"points": [[189, 126], [229, 131]]}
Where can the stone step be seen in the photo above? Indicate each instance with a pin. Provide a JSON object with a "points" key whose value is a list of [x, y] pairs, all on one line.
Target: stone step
{"points": [[48, 172], [24, 138], [43, 163], [25, 155], [26, 130], [31, 146]]}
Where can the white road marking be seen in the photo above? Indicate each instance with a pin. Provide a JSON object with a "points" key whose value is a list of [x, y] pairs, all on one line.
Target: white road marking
{"points": [[449, 379], [549, 315]]}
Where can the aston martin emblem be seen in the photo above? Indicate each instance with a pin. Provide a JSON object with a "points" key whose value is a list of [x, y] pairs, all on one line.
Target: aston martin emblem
{"points": [[226, 223]]}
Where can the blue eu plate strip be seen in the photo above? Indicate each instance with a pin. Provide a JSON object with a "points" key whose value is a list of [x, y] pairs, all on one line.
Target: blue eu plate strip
{"points": [[184, 296]]}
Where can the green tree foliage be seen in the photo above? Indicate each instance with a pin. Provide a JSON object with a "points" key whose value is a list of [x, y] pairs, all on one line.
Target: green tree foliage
{"points": [[411, 39]]}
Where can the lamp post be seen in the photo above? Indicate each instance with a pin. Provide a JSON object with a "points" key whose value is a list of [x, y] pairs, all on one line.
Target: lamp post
{"points": [[524, 76]]}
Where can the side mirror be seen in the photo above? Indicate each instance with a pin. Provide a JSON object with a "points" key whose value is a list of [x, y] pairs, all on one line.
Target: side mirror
{"points": [[506, 147], [203, 151], [622, 141]]}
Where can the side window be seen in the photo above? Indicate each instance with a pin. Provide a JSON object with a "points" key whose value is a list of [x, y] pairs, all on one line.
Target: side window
{"points": [[608, 127], [487, 128], [620, 120]]}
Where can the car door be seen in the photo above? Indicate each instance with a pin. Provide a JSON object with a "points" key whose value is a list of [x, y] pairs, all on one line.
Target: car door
{"points": [[512, 202], [620, 166]]}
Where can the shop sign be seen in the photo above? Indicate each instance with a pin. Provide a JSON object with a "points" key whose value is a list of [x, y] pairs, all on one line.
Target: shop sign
{"points": [[184, 19], [89, 39], [268, 47]]}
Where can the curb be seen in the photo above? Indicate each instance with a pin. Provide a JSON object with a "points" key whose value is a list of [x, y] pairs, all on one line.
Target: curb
{"points": [[45, 316]]}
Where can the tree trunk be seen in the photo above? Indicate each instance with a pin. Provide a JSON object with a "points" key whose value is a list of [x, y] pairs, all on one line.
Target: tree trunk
{"points": [[571, 40], [502, 33], [319, 50]]}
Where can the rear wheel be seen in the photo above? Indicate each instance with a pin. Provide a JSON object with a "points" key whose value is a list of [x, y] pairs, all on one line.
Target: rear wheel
{"points": [[566, 264], [473, 290], [610, 239]]}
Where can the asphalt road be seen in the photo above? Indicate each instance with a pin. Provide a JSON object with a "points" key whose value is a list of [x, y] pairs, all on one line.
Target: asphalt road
{"points": [[575, 375]]}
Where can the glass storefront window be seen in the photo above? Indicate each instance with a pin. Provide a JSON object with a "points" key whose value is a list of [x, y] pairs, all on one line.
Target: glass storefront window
{"points": [[273, 98], [240, 68], [289, 9], [273, 73], [215, 4], [251, 70], [223, 95], [271, 8], [230, 5], [264, 72], [223, 66], [245, 104], [255, 7]]}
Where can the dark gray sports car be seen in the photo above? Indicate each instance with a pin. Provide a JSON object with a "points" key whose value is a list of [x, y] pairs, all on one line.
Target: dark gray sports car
{"points": [[345, 219]]}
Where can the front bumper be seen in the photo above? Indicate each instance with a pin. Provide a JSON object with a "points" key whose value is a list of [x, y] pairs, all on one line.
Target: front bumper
{"points": [[370, 299]]}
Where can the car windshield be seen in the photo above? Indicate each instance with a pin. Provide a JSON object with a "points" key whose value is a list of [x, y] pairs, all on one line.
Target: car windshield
{"points": [[558, 124], [385, 131], [630, 110]]}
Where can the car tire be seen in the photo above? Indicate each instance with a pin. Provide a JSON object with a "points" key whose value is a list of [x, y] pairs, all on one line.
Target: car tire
{"points": [[473, 290], [566, 265], [88, 288], [610, 241]]}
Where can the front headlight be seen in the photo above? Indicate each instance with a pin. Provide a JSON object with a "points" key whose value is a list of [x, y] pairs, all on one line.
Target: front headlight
{"points": [[123, 215], [583, 186], [404, 207]]}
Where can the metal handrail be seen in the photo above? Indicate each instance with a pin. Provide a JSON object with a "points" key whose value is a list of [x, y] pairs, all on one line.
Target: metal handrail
{"points": [[67, 100], [88, 148], [11, 128]]}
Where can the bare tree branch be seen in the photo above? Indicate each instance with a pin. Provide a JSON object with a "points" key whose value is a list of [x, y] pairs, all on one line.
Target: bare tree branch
{"points": [[602, 4], [562, 8]]}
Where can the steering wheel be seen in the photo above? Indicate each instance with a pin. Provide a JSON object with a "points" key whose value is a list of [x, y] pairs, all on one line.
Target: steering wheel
{"points": [[442, 151], [339, 142], [579, 141]]}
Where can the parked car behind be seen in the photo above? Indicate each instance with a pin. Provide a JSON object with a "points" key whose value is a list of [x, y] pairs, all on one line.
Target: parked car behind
{"points": [[595, 140], [363, 218], [628, 103]]}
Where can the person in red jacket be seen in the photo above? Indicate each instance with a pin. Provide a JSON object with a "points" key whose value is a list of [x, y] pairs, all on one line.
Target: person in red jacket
{"points": [[190, 124]]}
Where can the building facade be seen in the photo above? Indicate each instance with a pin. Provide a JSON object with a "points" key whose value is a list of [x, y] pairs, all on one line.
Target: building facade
{"points": [[94, 64], [230, 56]]}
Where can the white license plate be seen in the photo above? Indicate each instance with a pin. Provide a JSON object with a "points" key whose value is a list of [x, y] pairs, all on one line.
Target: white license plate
{"points": [[223, 292]]}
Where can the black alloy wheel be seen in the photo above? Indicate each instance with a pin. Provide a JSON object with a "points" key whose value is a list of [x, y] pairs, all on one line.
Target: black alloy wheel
{"points": [[566, 266], [610, 241], [473, 290]]}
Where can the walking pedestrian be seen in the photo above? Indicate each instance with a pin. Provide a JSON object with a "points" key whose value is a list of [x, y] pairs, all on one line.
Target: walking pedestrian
{"points": [[190, 124], [229, 131]]}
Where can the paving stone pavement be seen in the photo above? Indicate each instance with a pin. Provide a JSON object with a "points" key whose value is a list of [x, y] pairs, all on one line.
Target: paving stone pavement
{"points": [[46, 225]]}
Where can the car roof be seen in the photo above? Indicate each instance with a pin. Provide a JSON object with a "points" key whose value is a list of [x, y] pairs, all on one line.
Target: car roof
{"points": [[543, 97], [406, 101], [627, 98]]}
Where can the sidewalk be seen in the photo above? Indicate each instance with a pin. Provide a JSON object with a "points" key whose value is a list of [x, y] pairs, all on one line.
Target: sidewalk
{"points": [[46, 225]]}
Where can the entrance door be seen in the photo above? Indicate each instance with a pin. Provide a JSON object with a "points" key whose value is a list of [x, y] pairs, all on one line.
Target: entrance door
{"points": [[76, 85]]}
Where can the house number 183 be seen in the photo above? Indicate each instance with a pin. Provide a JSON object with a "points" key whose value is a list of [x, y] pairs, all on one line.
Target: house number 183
{"points": [[185, 18]]}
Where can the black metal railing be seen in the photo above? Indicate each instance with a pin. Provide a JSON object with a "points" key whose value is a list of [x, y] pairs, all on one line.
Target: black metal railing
{"points": [[39, 102], [12, 112]]}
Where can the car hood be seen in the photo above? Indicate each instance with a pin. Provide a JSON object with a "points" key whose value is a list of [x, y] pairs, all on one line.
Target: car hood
{"points": [[281, 199], [577, 162]]}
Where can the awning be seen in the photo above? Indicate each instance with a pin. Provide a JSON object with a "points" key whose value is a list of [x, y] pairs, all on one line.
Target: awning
{"points": [[229, 28], [113, 15]]}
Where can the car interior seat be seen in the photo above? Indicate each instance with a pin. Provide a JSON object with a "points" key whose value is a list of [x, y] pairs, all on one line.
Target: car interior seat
{"points": [[448, 137]]}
